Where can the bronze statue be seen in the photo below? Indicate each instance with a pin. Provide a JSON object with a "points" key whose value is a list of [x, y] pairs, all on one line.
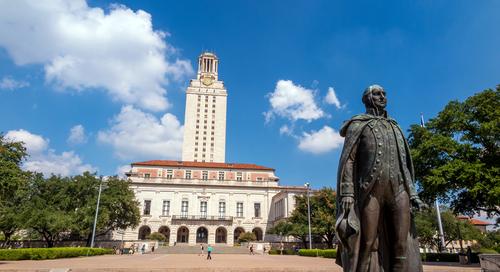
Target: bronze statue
{"points": [[376, 193]]}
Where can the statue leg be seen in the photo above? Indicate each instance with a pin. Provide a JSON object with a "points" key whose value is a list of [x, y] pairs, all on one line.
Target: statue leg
{"points": [[399, 227], [369, 220]]}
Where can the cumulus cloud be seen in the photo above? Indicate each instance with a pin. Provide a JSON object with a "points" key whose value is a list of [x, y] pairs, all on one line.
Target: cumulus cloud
{"points": [[77, 135], [83, 47], [331, 98], [321, 141], [135, 134], [293, 102], [121, 170], [9, 83], [44, 160]]}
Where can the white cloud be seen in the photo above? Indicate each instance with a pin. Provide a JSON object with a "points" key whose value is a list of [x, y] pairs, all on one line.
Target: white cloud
{"points": [[135, 134], [34, 144], [44, 160], [293, 102], [9, 83], [285, 129], [322, 141], [77, 135], [331, 98], [121, 170], [82, 47]]}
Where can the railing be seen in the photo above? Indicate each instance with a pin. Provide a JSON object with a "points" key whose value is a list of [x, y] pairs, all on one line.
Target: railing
{"points": [[205, 219]]}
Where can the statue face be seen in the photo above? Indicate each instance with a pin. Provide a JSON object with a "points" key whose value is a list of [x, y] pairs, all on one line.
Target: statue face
{"points": [[379, 99]]}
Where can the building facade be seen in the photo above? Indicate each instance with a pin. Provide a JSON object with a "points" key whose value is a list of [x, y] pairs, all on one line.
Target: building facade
{"points": [[202, 199], [200, 202], [205, 114]]}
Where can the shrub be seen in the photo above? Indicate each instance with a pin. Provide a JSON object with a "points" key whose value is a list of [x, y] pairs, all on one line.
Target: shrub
{"points": [[278, 252], [157, 236], [439, 257], [247, 237], [50, 253], [325, 253]]}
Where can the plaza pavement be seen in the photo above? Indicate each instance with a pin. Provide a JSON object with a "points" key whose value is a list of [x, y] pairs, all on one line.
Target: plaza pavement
{"points": [[192, 262]]}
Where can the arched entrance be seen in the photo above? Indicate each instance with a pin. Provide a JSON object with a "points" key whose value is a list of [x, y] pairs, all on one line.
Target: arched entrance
{"points": [[237, 232], [258, 233], [221, 235], [183, 235], [144, 232], [166, 232], [202, 235]]}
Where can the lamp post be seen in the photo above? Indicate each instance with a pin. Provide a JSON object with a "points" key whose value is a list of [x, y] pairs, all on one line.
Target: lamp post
{"points": [[308, 214], [96, 213]]}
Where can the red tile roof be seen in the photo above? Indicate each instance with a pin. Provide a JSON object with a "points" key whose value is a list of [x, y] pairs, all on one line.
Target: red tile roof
{"points": [[478, 222], [474, 221], [202, 165]]}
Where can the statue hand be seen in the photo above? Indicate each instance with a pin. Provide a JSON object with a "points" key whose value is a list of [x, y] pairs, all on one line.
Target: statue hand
{"points": [[346, 201], [418, 204]]}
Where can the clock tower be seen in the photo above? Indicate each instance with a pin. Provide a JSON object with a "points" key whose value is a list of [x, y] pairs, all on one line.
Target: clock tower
{"points": [[205, 116]]}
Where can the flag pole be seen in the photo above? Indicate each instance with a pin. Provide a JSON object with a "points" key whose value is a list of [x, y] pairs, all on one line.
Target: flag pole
{"points": [[440, 224]]}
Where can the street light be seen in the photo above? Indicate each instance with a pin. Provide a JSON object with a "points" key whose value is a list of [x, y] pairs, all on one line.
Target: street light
{"points": [[96, 213], [308, 214]]}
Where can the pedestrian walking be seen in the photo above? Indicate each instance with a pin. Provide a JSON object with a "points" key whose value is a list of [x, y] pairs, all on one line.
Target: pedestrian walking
{"points": [[143, 248], [209, 252], [251, 250], [202, 250]]}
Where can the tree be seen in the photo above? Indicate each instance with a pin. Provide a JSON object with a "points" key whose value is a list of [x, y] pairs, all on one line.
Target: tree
{"points": [[454, 229], [118, 208], [323, 205], [156, 236], [457, 156], [46, 208], [247, 237], [12, 187]]}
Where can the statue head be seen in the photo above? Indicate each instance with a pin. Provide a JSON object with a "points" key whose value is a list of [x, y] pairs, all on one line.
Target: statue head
{"points": [[374, 98]]}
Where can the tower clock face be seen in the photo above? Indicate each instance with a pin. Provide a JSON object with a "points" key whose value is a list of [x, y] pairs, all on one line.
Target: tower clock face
{"points": [[207, 80]]}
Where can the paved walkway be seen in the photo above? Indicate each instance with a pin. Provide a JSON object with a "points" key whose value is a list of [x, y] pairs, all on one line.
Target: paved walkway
{"points": [[185, 262]]}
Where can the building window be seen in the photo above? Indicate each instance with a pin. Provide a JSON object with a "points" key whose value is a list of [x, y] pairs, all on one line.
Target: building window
{"points": [[213, 127], [195, 143], [147, 207], [197, 132], [213, 111], [239, 209], [203, 209], [188, 174], [239, 176], [184, 209], [147, 175], [204, 175], [256, 208], [196, 149], [221, 174], [170, 174], [195, 155], [166, 208], [222, 209], [259, 179]]}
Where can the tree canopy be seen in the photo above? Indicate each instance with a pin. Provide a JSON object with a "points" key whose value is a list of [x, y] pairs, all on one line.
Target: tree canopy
{"points": [[59, 207], [323, 203], [457, 156]]}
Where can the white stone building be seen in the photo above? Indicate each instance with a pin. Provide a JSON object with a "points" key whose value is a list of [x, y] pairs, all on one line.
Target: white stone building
{"points": [[202, 199]]}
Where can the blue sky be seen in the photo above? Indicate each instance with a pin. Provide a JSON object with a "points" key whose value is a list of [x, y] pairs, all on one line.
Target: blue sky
{"points": [[97, 85]]}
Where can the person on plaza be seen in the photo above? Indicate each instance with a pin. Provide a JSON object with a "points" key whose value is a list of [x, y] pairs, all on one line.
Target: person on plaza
{"points": [[251, 250], [209, 252], [143, 248], [202, 250]]}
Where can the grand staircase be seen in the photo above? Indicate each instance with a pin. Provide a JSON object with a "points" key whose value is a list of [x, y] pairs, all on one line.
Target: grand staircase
{"points": [[185, 249]]}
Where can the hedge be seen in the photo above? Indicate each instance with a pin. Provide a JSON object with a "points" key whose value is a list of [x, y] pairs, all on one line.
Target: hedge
{"points": [[325, 253], [50, 253], [278, 252]]}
